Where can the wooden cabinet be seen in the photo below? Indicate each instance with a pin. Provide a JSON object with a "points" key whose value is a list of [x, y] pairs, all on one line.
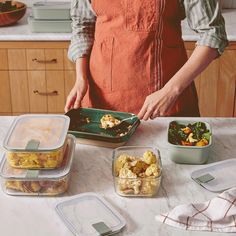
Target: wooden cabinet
{"points": [[33, 76], [216, 86], [226, 84], [36, 77]]}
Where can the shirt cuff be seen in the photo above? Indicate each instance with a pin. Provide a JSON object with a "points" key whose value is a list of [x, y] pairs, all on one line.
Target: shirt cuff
{"points": [[80, 47], [213, 42]]}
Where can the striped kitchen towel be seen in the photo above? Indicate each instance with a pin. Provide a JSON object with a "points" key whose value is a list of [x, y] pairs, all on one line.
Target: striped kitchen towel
{"points": [[216, 215]]}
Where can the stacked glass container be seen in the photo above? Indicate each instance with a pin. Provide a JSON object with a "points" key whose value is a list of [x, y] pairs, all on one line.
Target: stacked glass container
{"points": [[50, 17], [39, 155]]}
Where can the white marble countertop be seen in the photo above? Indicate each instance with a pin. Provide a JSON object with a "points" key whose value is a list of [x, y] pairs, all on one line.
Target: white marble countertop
{"points": [[26, 216], [21, 31]]}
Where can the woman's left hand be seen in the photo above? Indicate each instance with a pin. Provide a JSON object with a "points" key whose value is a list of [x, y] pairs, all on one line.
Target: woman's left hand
{"points": [[158, 103]]}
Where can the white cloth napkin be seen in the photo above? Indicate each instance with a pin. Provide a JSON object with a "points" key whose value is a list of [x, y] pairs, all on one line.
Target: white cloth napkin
{"points": [[216, 215]]}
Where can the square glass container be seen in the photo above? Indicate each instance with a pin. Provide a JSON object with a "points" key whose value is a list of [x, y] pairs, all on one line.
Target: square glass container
{"points": [[36, 141], [38, 182], [189, 154], [135, 171]]}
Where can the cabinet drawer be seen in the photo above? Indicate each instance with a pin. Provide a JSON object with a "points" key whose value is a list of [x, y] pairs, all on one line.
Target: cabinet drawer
{"points": [[56, 91], [37, 91], [35, 59], [17, 59], [54, 59], [3, 59]]}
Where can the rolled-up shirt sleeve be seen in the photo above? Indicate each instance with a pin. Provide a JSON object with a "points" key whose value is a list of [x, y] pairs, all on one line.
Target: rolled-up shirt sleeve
{"points": [[83, 26], [205, 18]]}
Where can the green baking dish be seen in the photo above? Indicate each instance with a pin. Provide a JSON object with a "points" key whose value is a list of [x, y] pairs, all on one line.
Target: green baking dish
{"points": [[51, 11], [189, 154], [49, 26], [85, 125]]}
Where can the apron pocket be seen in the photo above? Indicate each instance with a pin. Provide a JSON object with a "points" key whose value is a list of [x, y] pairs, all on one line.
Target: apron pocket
{"points": [[101, 64], [141, 15]]}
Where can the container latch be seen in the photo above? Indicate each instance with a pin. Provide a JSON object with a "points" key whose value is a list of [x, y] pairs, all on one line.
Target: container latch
{"points": [[32, 145], [102, 228], [204, 178]]}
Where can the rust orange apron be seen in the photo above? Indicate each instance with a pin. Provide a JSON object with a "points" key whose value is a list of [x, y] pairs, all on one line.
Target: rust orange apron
{"points": [[138, 47]]}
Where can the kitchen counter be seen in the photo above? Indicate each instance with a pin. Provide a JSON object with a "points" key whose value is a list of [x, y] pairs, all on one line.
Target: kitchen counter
{"points": [[21, 32], [92, 173]]}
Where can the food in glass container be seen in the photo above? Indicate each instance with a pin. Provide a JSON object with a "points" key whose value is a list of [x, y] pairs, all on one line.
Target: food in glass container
{"points": [[109, 121], [195, 134], [39, 160], [39, 182], [40, 187], [37, 141], [137, 176]]}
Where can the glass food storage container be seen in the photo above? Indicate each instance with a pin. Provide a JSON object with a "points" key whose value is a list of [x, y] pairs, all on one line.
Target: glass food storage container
{"points": [[198, 151], [137, 171], [36, 141], [38, 182]]}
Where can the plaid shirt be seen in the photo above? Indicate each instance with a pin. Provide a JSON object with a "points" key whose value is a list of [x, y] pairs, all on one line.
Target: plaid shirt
{"points": [[204, 17]]}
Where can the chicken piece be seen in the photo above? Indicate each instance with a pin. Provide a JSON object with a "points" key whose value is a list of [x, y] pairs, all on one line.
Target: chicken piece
{"points": [[109, 121]]}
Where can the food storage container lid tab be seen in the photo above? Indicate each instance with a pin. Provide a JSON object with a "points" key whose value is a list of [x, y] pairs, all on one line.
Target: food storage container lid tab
{"points": [[90, 215], [37, 133]]}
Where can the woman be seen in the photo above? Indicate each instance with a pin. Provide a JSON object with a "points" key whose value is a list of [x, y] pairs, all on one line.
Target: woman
{"points": [[131, 56]]}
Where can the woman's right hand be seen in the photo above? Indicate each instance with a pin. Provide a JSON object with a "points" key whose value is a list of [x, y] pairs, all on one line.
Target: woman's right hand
{"points": [[76, 94]]}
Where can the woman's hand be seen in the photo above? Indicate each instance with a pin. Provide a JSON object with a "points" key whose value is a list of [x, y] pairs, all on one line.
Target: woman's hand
{"points": [[77, 94], [158, 103], [80, 88]]}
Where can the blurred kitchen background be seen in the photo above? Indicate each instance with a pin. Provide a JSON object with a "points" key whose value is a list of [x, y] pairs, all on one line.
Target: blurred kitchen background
{"points": [[36, 76]]}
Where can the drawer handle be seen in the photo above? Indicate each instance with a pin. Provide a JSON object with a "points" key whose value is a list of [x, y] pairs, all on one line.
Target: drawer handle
{"points": [[52, 61], [53, 93]]}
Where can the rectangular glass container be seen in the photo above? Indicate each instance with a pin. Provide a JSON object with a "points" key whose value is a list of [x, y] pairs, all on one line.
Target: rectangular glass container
{"points": [[49, 26], [36, 141], [136, 173], [189, 154], [51, 10], [38, 182]]}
